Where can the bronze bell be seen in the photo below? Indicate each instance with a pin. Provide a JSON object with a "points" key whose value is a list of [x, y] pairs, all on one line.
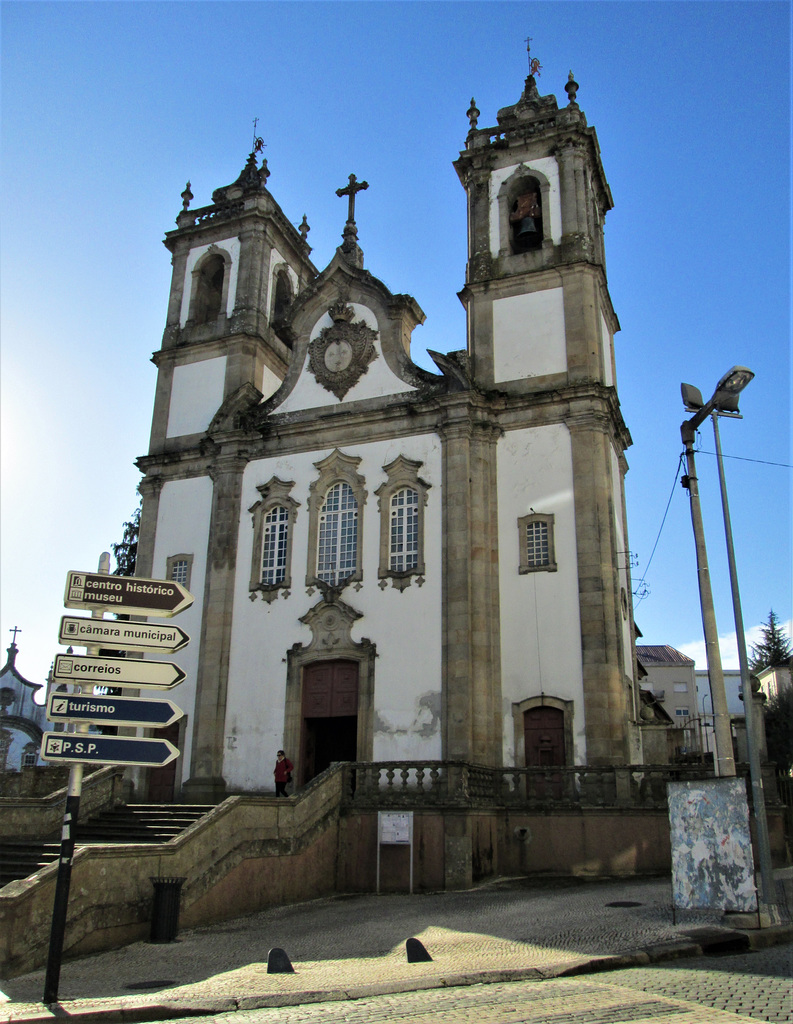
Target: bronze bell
{"points": [[527, 230]]}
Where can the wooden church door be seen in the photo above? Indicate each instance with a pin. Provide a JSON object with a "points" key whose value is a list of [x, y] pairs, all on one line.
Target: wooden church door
{"points": [[330, 716], [543, 733]]}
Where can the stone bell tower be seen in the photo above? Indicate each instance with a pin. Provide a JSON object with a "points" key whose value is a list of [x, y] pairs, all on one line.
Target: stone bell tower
{"points": [[237, 265], [540, 332]]}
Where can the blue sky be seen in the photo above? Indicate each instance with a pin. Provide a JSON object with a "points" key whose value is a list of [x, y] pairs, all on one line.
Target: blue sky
{"points": [[109, 108]]}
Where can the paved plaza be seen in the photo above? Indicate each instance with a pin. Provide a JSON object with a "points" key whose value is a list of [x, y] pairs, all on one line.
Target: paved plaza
{"points": [[351, 950]]}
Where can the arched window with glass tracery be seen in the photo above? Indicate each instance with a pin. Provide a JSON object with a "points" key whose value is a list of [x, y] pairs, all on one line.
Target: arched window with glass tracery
{"points": [[337, 546]]}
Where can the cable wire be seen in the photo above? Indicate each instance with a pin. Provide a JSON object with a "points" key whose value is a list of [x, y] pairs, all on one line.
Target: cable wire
{"points": [[660, 529]]}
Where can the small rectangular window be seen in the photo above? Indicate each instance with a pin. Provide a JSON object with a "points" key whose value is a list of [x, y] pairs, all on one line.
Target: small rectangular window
{"points": [[535, 535], [682, 712], [179, 569]]}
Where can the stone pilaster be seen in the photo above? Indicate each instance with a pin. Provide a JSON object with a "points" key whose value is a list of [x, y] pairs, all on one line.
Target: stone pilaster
{"points": [[606, 696], [206, 782], [471, 648]]}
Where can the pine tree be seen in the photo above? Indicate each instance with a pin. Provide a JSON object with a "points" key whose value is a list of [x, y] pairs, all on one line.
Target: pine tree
{"points": [[126, 551], [779, 729], [774, 649]]}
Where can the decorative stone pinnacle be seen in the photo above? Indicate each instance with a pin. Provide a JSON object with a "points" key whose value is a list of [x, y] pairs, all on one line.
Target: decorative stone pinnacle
{"points": [[473, 115], [304, 229], [187, 196], [571, 88]]}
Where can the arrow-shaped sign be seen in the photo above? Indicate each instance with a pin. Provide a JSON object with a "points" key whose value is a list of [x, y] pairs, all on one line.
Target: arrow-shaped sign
{"points": [[87, 747], [84, 707], [86, 669], [122, 636], [131, 594]]}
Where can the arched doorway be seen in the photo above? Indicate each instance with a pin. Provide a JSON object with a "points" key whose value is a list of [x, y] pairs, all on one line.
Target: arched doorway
{"points": [[329, 716], [543, 735]]}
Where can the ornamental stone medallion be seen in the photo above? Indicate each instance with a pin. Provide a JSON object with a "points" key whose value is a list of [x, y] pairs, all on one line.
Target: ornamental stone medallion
{"points": [[340, 355]]}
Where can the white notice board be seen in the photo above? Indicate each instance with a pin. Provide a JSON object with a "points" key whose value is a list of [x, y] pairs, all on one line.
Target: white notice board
{"points": [[395, 828]]}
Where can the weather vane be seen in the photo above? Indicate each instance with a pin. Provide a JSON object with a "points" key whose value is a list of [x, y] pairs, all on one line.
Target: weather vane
{"points": [[258, 141], [534, 65]]}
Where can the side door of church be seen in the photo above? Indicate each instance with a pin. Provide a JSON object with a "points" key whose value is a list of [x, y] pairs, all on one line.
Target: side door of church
{"points": [[543, 733], [330, 716]]}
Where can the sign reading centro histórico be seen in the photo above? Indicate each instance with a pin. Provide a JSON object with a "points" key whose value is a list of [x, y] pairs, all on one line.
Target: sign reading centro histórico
{"points": [[130, 594]]}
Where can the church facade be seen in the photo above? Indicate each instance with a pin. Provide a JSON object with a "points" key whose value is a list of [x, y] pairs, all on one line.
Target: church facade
{"points": [[388, 563]]}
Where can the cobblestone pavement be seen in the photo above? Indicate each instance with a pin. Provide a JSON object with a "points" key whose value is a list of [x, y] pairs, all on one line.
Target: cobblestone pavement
{"points": [[347, 950], [728, 990], [758, 984]]}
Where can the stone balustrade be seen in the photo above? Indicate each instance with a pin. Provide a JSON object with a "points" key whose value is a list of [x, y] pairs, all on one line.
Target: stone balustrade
{"points": [[457, 784]]}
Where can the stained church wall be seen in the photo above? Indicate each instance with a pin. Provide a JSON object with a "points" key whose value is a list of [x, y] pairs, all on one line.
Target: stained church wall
{"points": [[405, 625], [540, 625], [183, 528], [196, 393]]}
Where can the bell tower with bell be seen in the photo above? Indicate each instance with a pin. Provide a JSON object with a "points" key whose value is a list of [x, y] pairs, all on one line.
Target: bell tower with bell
{"points": [[540, 329], [539, 312]]}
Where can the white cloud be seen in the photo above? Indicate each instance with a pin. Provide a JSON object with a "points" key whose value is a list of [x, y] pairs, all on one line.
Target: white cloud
{"points": [[728, 646]]}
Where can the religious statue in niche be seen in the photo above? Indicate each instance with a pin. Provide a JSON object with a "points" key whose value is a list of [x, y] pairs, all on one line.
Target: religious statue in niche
{"points": [[526, 221], [340, 355]]}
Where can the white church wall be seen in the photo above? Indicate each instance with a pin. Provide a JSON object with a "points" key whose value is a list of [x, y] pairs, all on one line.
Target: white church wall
{"points": [[540, 621], [608, 353], [178, 533], [269, 383], [378, 380], [406, 626], [196, 395], [529, 335], [547, 166], [232, 247]]}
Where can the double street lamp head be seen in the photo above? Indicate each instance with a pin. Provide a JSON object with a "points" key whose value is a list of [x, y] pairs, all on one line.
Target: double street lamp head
{"points": [[724, 398]]}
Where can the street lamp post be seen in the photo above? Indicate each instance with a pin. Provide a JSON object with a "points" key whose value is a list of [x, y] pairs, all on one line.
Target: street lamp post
{"points": [[724, 402]]}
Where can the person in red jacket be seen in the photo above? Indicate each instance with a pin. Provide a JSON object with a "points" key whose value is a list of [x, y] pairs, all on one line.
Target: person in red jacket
{"points": [[282, 773]]}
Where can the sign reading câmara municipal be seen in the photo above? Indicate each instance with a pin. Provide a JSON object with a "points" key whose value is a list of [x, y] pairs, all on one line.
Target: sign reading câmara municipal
{"points": [[122, 636]]}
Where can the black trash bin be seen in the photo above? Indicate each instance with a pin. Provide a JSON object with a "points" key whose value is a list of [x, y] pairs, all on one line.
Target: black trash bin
{"points": [[165, 911]]}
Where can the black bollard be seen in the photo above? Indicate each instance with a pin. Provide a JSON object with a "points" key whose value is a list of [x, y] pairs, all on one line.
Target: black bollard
{"points": [[416, 952], [278, 962]]}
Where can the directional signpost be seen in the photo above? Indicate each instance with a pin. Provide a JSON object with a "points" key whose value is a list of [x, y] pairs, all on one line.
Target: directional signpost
{"points": [[159, 638], [85, 707], [86, 668], [124, 595], [92, 748], [129, 594]]}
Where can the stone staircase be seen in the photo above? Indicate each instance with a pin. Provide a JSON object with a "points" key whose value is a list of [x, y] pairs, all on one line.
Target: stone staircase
{"points": [[132, 823]]}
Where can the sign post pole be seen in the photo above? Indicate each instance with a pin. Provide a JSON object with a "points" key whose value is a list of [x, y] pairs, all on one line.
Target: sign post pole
{"points": [[64, 878]]}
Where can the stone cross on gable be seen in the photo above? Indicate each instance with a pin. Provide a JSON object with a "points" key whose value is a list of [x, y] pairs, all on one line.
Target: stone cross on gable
{"points": [[15, 630], [351, 190]]}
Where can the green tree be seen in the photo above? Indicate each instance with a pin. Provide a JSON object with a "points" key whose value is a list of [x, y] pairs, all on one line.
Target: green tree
{"points": [[774, 649], [779, 729], [126, 551]]}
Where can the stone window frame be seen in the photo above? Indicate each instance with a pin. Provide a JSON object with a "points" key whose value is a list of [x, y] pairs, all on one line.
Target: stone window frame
{"points": [[212, 251], [171, 561], [519, 708], [335, 468], [276, 493], [523, 553], [508, 193], [281, 270], [401, 473]]}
